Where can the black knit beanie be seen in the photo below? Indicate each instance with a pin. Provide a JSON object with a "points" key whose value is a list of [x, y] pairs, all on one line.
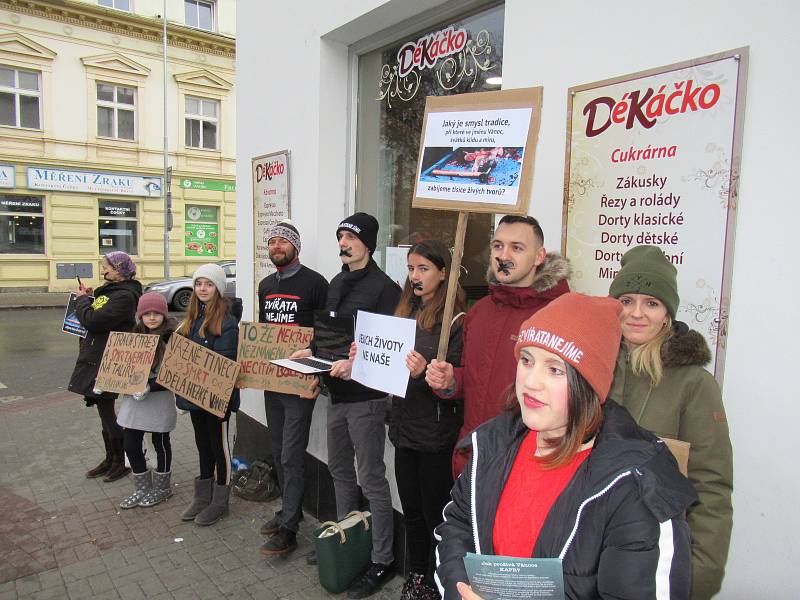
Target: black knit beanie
{"points": [[364, 227]]}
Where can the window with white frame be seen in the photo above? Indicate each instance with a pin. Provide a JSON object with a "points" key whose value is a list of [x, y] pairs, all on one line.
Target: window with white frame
{"points": [[118, 4], [201, 123], [20, 93], [199, 14], [116, 111]]}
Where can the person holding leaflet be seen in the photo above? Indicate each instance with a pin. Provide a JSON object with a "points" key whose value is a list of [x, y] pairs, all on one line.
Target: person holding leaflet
{"points": [[566, 473]]}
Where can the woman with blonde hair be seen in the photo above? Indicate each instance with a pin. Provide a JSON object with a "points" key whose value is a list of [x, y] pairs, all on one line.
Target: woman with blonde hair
{"points": [[659, 377]]}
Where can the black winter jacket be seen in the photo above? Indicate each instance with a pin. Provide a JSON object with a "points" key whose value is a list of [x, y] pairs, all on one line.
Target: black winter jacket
{"points": [[368, 289], [619, 525], [226, 344], [113, 309], [423, 421]]}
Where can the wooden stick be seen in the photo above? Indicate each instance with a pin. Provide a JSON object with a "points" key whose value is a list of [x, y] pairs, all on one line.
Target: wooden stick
{"points": [[452, 285]]}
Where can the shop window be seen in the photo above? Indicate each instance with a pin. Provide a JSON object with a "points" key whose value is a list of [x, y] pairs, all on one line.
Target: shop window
{"points": [[21, 224], [118, 226], [201, 231], [116, 111], [118, 4], [201, 123], [393, 83], [20, 94], [199, 14]]}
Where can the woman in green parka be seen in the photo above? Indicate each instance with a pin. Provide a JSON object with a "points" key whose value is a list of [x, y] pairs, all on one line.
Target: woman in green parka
{"points": [[660, 379]]}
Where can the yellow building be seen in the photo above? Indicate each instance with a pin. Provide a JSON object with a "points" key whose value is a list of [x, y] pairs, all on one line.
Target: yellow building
{"points": [[81, 137]]}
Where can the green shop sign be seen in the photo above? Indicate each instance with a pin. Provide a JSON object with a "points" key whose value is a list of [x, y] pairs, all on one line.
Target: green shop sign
{"points": [[205, 184], [202, 239]]}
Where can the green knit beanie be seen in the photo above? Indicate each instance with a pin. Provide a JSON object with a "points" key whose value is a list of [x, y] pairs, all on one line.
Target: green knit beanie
{"points": [[645, 270]]}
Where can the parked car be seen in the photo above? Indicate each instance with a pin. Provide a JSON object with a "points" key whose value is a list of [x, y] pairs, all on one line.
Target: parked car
{"points": [[178, 291]]}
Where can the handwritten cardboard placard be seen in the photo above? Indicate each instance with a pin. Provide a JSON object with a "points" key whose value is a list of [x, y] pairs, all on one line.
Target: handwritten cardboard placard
{"points": [[198, 374], [126, 362], [260, 343]]}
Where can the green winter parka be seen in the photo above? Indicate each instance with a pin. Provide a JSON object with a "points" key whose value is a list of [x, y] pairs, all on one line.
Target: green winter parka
{"points": [[687, 406]]}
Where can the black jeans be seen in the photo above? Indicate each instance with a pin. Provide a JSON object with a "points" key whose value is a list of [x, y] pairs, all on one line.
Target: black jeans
{"points": [[288, 423], [133, 439], [211, 439], [424, 480], [108, 418]]}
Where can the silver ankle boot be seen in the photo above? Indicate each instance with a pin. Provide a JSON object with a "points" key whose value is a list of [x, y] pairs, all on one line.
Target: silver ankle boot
{"points": [[142, 484], [161, 490]]}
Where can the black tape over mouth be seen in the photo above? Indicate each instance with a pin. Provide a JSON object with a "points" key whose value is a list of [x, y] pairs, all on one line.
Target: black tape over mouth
{"points": [[416, 285], [504, 266], [345, 252]]}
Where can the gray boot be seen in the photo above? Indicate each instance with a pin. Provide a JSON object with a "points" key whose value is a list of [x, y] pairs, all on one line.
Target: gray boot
{"points": [[142, 485], [162, 489], [202, 498], [218, 507]]}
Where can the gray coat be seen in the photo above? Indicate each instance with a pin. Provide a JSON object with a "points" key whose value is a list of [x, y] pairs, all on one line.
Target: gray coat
{"points": [[154, 413]]}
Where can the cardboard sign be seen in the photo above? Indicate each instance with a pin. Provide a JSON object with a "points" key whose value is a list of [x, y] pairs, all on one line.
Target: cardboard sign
{"points": [[477, 151], [383, 344], [680, 450], [260, 343], [126, 362], [198, 374]]}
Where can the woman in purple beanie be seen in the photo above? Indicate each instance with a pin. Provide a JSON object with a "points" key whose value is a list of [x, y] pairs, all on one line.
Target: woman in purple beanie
{"points": [[111, 307]]}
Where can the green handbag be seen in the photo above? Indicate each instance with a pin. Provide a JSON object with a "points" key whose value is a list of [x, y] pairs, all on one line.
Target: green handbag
{"points": [[343, 550]]}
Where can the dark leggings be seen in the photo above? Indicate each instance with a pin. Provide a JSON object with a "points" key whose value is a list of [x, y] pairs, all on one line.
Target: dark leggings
{"points": [[108, 417], [424, 480], [211, 438], [133, 448]]}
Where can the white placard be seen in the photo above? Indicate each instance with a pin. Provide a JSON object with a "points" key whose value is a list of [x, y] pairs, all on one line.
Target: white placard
{"points": [[653, 160], [383, 344], [94, 182], [397, 264]]}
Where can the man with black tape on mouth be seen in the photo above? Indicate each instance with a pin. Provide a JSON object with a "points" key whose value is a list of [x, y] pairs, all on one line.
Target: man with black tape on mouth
{"points": [[523, 278]]}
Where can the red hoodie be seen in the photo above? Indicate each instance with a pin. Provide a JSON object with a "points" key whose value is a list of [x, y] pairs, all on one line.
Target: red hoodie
{"points": [[490, 332]]}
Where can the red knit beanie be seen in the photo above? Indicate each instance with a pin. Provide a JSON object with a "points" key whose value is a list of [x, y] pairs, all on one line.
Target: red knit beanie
{"points": [[152, 302], [582, 330]]}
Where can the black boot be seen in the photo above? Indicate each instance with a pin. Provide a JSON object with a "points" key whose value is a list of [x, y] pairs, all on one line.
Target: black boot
{"points": [[104, 466], [118, 468]]}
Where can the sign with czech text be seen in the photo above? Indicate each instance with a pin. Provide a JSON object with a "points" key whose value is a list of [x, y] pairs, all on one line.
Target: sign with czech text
{"points": [[199, 375], [126, 363], [653, 159], [259, 343], [477, 151], [93, 182]]}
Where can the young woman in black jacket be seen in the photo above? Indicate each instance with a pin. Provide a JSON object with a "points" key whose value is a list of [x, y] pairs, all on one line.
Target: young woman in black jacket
{"points": [[566, 474], [424, 427], [210, 322], [111, 307]]}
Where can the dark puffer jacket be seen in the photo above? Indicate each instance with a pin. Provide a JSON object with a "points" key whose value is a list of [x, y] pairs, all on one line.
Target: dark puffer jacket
{"points": [[226, 344], [618, 526], [423, 421], [113, 309], [687, 405], [368, 289]]}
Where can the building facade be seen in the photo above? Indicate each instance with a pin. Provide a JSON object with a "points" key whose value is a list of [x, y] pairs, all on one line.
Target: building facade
{"points": [[82, 103], [348, 153]]}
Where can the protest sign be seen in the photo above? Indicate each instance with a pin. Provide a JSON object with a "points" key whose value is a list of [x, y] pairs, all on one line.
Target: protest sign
{"points": [[198, 374], [259, 343], [126, 363], [509, 577], [653, 158], [71, 324], [383, 344], [477, 151]]}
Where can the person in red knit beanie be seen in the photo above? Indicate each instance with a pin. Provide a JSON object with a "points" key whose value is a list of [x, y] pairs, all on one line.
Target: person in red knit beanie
{"points": [[566, 473]]}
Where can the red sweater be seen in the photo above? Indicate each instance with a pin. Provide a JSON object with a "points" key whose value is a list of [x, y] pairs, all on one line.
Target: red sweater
{"points": [[529, 494]]}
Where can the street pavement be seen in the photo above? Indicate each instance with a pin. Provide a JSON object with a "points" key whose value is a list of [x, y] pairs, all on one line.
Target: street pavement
{"points": [[63, 536]]}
